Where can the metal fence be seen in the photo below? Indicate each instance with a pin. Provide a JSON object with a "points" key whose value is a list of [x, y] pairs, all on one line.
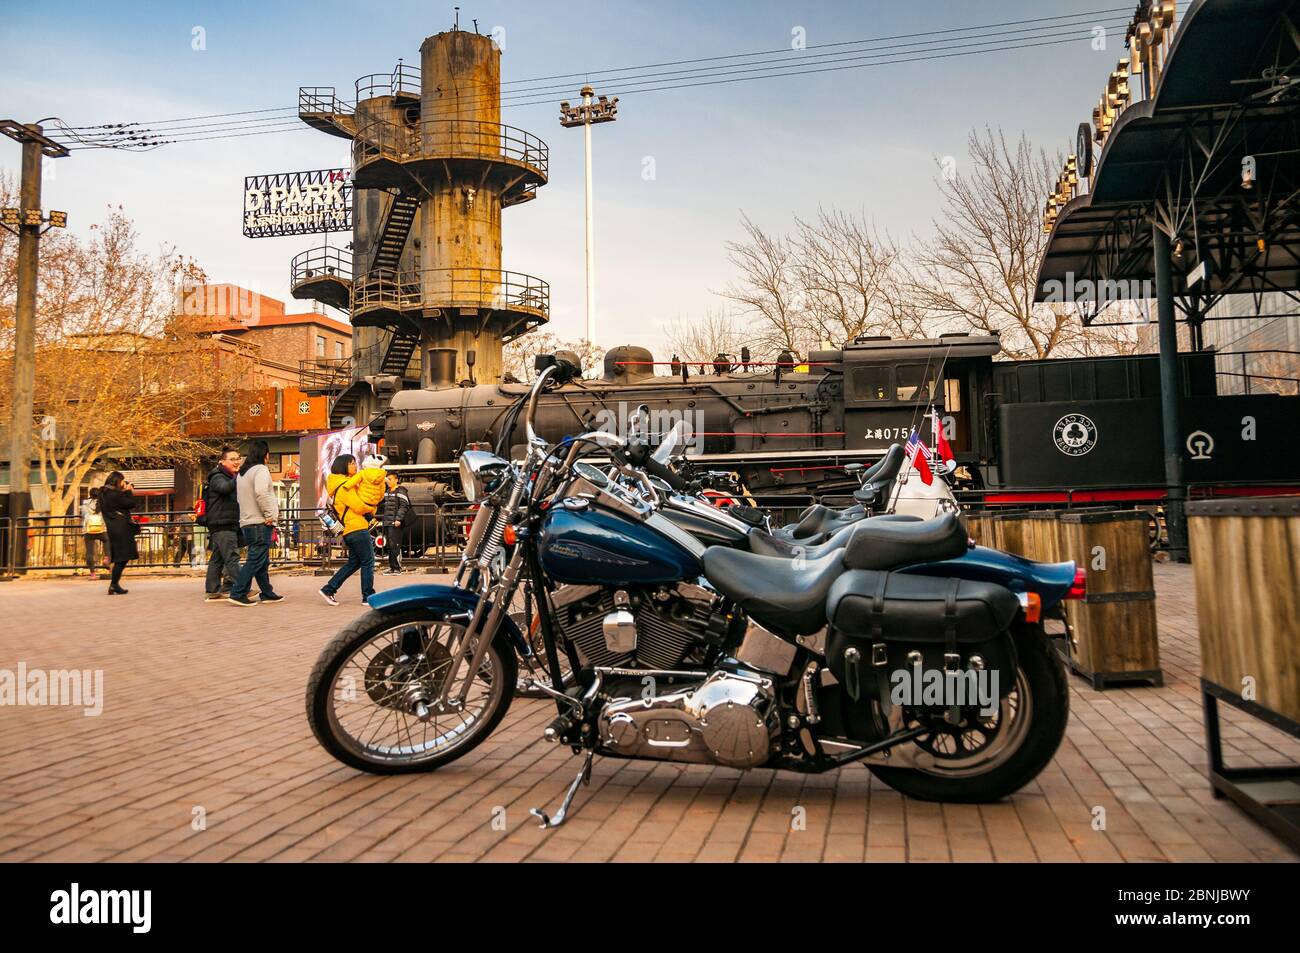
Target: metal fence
{"points": [[171, 540]]}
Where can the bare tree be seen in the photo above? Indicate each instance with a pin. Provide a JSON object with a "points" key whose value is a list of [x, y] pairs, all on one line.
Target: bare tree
{"points": [[849, 280], [517, 356], [979, 268], [834, 279], [768, 289], [703, 338]]}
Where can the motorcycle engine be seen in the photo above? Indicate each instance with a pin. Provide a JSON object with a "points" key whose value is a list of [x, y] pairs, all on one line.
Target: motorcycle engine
{"points": [[647, 628], [726, 718]]}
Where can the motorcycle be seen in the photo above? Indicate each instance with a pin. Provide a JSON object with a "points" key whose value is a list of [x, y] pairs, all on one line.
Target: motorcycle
{"points": [[907, 648]]}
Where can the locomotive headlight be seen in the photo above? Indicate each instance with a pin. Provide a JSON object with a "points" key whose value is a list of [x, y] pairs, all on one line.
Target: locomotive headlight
{"points": [[478, 471]]}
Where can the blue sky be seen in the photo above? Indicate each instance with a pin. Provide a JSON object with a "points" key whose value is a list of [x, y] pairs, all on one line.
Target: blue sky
{"points": [[862, 139]]}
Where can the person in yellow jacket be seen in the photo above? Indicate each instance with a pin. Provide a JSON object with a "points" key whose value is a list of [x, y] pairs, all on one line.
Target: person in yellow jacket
{"points": [[353, 498]]}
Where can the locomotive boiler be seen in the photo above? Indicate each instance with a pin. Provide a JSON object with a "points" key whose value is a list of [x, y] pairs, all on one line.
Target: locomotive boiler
{"points": [[785, 429]]}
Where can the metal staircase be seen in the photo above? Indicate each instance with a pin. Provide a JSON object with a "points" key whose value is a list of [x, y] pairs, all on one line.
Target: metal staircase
{"points": [[397, 226], [397, 356]]}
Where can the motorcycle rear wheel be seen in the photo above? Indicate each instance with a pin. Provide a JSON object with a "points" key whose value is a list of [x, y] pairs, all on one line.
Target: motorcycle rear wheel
{"points": [[1040, 703], [376, 690]]}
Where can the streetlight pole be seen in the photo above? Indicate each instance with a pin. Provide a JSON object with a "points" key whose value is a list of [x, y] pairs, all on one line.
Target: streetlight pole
{"points": [[587, 115], [26, 221]]}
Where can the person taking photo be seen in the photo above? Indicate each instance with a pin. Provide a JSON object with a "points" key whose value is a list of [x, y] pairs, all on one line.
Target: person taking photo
{"points": [[116, 501]]}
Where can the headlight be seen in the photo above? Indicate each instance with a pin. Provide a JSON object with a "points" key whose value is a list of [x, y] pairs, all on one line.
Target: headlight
{"points": [[477, 467]]}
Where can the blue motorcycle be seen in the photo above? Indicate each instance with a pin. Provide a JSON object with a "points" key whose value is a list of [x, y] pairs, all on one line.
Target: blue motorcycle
{"points": [[901, 645]]}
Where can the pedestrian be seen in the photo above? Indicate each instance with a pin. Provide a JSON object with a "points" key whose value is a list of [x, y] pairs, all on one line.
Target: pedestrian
{"points": [[353, 511], [675, 365], [93, 532], [116, 501], [221, 517], [744, 358], [397, 513], [258, 511]]}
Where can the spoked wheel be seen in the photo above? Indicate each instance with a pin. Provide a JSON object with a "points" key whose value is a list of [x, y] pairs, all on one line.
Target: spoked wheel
{"points": [[985, 759], [373, 695]]}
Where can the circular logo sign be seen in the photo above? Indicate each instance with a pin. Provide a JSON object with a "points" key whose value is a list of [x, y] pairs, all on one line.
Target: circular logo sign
{"points": [[1075, 435]]}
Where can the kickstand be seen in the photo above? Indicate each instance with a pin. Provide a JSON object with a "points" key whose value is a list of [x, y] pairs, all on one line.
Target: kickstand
{"points": [[584, 777]]}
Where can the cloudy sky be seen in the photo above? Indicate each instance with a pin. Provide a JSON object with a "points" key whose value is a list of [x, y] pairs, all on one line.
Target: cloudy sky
{"points": [[672, 175]]}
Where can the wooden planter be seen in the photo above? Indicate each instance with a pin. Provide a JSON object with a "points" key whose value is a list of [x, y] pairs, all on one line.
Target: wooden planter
{"points": [[977, 526], [1246, 556], [1113, 630]]}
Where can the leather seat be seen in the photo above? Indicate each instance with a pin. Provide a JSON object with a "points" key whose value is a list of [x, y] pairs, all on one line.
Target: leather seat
{"points": [[814, 547], [768, 545], [878, 481], [819, 520], [783, 596], [887, 544]]}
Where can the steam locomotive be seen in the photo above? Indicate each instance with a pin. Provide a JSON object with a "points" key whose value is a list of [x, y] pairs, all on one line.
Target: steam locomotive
{"points": [[1021, 431]]}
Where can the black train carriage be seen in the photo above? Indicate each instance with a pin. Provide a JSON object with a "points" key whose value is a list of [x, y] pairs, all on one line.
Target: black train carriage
{"points": [[1047, 431]]}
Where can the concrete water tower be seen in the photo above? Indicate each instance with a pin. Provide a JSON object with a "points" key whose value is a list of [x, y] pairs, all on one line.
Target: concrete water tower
{"points": [[432, 169]]}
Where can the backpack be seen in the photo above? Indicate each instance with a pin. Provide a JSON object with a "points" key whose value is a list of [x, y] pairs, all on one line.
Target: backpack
{"points": [[332, 524], [94, 520]]}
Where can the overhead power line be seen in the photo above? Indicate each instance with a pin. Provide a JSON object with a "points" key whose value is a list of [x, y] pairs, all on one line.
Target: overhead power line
{"points": [[272, 120]]}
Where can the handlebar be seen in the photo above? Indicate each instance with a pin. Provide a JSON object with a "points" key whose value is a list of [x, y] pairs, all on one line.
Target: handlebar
{"points": [[638, 454]]}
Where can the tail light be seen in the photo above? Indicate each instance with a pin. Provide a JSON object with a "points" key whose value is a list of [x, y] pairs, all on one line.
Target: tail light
{"points": [[1078, 588]]}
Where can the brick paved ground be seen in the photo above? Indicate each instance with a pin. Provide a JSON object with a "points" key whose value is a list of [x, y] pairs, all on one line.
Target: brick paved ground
{"points": [[204, 709]]}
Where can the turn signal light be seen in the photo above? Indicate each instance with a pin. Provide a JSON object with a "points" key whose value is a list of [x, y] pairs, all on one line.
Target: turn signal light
{"points": [[1033, 607], [1078, 588], [508, 537]]}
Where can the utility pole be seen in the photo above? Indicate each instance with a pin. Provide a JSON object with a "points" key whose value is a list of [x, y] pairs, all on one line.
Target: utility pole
{"points": [[26, 223], [587, 115]]}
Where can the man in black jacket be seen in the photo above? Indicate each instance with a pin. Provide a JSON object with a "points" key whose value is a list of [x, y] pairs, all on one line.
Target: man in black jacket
{"points": [[397, 514], [221, 517]]}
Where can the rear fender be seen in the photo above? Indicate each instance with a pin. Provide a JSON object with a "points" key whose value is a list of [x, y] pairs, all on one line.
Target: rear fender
{"points": [[444, 601], [1051, 581]]}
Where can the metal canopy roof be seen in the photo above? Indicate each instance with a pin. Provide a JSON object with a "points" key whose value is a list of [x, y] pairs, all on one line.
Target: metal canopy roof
{"points": [[1176, 159]]}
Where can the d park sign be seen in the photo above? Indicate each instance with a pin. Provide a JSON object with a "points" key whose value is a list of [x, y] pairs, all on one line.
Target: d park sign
{"points": [[298, 203]]}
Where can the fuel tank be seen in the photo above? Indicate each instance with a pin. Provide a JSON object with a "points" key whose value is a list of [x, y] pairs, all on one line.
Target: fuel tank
{"points": [[595, 546]]}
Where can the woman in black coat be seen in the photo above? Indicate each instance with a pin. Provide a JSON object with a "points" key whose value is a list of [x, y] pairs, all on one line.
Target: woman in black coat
{"points": [[116, 501]]}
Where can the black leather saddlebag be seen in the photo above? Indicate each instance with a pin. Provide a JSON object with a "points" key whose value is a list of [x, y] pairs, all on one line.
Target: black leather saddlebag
{"points": [[879, 619]]}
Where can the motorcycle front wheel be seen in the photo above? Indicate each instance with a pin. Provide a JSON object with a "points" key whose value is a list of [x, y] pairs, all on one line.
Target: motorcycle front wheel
{"points": [[987, 762], [374, 678]]}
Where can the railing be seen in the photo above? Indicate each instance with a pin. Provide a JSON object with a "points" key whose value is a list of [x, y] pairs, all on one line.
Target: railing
{"points": [[170, 540], [321, 99], [324, 262], [449, 139], [325, 373], [1270, 383], [450, 288], [404, 80]]}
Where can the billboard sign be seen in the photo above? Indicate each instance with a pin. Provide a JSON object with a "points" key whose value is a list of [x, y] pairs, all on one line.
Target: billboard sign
{"points": [[316, 454], [298, 203]]}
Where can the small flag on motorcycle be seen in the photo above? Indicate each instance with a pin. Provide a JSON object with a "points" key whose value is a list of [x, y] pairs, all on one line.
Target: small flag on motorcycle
{"points": [[919, 455], [942, 449]]}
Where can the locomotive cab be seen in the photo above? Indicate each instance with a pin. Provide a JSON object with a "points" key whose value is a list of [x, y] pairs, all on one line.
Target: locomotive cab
{"points": [[888, 384]]}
